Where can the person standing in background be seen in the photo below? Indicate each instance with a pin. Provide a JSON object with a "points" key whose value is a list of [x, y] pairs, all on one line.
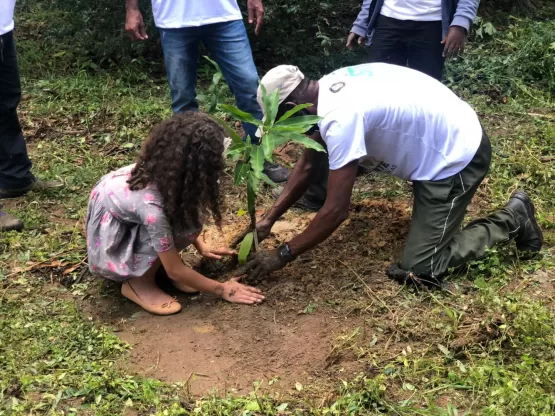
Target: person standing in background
{"points": [[218, 24], [16, 178], [419, 34]]}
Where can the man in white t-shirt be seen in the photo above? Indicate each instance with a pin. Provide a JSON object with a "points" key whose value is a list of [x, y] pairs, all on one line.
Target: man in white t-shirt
{"points": [[395, 120], [218, 24], [419, 34], [16, 178]]}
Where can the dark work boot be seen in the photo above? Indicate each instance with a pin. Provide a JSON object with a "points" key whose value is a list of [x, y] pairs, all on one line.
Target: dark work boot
{"points": [[275, 172], [303, 202], [529, 235], [9, 222]]}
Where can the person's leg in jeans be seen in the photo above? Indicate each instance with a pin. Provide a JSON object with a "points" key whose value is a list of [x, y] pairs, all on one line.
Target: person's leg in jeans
{"points": [[180, 47], [15, 166], [389, 43], [424, 49], [229, 46], [435, 243]]}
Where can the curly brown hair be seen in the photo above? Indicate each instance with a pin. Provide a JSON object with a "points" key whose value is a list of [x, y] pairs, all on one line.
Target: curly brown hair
{"points": [[183, 158]]}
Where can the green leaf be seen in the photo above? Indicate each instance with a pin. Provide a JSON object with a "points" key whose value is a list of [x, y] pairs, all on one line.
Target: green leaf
{"points": [[307, 142], [257, 160], [245, 248], [241, 212], [216, 78], [237, 148], [241, 172], [240, 115], [271, 109], [266, 179], [232, 133], [294, 110], [300, 124], [268, 145], [214, 63], [252, 406]]}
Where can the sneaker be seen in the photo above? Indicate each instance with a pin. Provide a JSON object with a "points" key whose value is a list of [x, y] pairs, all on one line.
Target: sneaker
{"points": [[37, 185], [529, 237], [275, 172], [303, 202], [9, 222]]}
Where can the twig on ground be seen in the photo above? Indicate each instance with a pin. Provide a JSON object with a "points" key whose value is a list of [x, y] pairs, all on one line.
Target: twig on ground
{"points": [[367, 287]]}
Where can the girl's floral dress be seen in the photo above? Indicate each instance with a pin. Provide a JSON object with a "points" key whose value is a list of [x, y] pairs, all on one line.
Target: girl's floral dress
{"points": [[126, 229]]}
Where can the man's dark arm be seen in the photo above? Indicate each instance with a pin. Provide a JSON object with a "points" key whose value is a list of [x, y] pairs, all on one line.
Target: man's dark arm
{"points": [[296, 185], [332, 214]]}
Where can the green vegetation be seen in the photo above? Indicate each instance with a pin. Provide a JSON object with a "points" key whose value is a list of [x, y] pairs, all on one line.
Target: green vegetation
{"points": [[249, 159], [486, 346]]}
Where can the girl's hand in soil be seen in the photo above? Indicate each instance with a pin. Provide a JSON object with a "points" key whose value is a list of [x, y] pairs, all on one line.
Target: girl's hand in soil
{"points": [[212, 253], [216, 253], [236, 292]]}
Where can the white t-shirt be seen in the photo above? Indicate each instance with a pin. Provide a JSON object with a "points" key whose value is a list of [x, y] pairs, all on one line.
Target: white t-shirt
{"points": [[418, 10], [6, 16], [396, 120], [175, 14]]}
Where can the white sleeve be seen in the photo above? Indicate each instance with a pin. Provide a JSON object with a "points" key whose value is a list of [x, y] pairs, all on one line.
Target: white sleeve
{"points": [[343, 132]]}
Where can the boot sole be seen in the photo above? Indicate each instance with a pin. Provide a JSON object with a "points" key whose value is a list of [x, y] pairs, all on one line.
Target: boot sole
{"points": [[531, 211]]}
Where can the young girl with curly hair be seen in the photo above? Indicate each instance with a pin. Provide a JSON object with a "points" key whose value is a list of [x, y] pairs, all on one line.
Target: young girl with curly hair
{"points": [[140, 216]]}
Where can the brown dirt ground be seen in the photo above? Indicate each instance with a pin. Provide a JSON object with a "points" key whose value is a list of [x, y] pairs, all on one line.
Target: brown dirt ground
{"points": [[289, 338], [329, 316]]}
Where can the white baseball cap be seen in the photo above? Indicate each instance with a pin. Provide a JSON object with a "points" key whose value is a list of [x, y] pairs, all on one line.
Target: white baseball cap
{"points": [[284, 78]]}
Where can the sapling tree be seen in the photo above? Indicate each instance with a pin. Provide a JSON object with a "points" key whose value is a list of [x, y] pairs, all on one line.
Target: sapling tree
{"points": [[249, 157]]}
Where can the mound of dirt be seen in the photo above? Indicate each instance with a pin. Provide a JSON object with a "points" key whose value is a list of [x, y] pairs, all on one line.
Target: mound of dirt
{"points": [[288, 339]]}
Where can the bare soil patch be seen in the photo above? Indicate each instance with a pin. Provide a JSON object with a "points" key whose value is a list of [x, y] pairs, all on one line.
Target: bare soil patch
{"points": [[287, 340]]}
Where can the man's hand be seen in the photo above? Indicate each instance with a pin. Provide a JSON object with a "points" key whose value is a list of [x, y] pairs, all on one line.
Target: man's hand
{"points": [[263, 229], [454, 42], [256, 14], [235, 292], [354, 39], [261, 263], [134, 25]]}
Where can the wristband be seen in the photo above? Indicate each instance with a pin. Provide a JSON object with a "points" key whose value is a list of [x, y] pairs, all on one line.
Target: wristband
{"points": [[284, 253]]}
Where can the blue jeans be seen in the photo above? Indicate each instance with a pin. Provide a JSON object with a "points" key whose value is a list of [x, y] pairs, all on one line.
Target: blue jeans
{"points": [[229, 46]]}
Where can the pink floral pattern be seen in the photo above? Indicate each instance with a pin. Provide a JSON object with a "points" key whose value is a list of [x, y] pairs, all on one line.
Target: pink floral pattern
{"points": [[127, 229], [165, 243]]}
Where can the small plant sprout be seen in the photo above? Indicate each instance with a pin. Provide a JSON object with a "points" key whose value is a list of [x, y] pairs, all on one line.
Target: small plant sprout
{"points": [[249, 158]]}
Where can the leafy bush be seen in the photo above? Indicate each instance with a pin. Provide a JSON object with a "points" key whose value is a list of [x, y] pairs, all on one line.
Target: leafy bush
{"points": [[518, 60]]}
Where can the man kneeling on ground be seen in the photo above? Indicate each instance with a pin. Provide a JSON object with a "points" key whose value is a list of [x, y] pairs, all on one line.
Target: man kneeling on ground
{"points": [[399, 121]]}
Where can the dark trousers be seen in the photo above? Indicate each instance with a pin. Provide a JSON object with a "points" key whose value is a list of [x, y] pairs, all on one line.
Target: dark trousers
{"points": [[409, 43], [435, 242], [15, 166]]}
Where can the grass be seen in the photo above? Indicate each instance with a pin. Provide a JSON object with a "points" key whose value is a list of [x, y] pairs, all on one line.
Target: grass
{"points": [[484, 347]]}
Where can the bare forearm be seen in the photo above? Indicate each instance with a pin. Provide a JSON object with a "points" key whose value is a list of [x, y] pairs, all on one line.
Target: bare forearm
{"points": [[196, 280], [298, 183], [332, 214], [321, 227], [132, 4]]}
